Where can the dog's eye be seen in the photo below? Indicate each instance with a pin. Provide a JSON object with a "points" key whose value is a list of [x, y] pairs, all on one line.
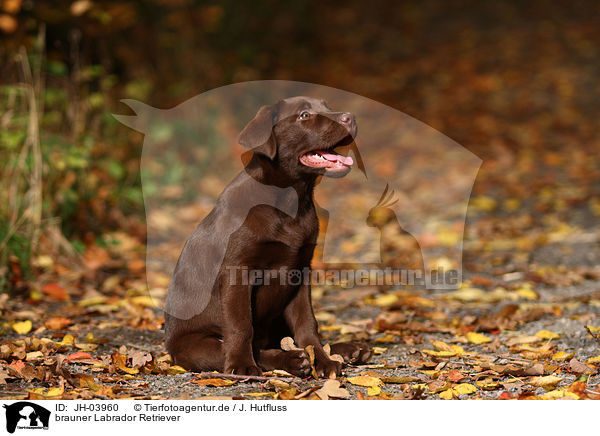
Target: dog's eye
{"points": [[304, 115]]}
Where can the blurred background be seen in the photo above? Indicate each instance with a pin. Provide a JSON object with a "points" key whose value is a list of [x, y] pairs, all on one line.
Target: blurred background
{"points": [[514, 82]]}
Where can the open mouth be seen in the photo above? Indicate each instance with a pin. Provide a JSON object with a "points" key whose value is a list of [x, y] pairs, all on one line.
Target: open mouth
{"points": [[327, 159]]}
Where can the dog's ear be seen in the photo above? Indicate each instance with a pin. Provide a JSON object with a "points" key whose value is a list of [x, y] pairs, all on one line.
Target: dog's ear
{"points": [[258, 134]]}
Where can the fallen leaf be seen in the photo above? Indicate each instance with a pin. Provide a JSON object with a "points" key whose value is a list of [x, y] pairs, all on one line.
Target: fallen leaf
{"points": [[527, 293], [518, 340], [79, 355], [139, 358], [477, 338], [578, 367], [595, 359], [176, 369], [217, 382], [547, 334], [545, 382], [464, 388], [67, 340], [336, 357], [487, 384], [440, 353], [455, 376], [55, 292], [374, 391], [22, 327], [561, 356], [57, 323], [287, 344], [438, 386], [365, 380], [447, 394], [442, 346], [41, 393], [332, 389], [400, 380], [559, 393], [120, 361]]}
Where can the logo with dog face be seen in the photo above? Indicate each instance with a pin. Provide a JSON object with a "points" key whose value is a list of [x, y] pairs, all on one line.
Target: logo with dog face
{"points": [[391, 192], [26, 415]]}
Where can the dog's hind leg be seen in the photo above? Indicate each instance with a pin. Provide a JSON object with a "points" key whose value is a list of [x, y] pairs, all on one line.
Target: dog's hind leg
{"points": [[198, 352]]}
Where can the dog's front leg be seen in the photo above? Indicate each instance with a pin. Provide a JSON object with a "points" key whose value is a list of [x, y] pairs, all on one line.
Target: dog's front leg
{"points": [[301, 320], [237, 330]]}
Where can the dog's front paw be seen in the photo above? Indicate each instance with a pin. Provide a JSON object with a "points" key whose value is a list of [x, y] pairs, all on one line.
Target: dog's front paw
{"points": [[296, 362], [325, 367], [352, 352], [242, 368]]}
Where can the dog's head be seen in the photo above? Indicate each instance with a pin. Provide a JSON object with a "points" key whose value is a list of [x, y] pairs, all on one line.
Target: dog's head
{"points": [[300, 134]]}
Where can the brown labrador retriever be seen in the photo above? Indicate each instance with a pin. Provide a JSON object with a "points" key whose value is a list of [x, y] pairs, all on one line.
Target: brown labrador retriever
{"points": [[264, 220]]}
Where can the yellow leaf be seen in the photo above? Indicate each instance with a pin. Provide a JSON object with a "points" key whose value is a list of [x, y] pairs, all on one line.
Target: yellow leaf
{"points": [[373, 391], [447, 394], [487, 385], [593, 329], [176, 369], [55, 392], [144, 300], [120, 361], [594, 359], [67, 340], [547, 334], [383, 339], [261, 394], [477, 338], [464, 388], [22, 327], [511, 204], [440, 353], [50, 393], [328, 328], [545, 381], [553, 395], [379, 350], [483, 203], [421, 386], [526, 292], [384, 300], [457, 349], [442, 346], [559, 393], [467, 294], [92, 301], [448, 237], [365, 380], [562, 356], [217, 382]]}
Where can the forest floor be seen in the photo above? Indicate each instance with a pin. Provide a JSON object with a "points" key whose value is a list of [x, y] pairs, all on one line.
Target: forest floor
{"points": [[524, 324]]}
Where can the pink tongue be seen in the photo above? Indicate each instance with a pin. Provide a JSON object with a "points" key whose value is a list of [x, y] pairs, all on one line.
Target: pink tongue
{"points": [[346, 160]]}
